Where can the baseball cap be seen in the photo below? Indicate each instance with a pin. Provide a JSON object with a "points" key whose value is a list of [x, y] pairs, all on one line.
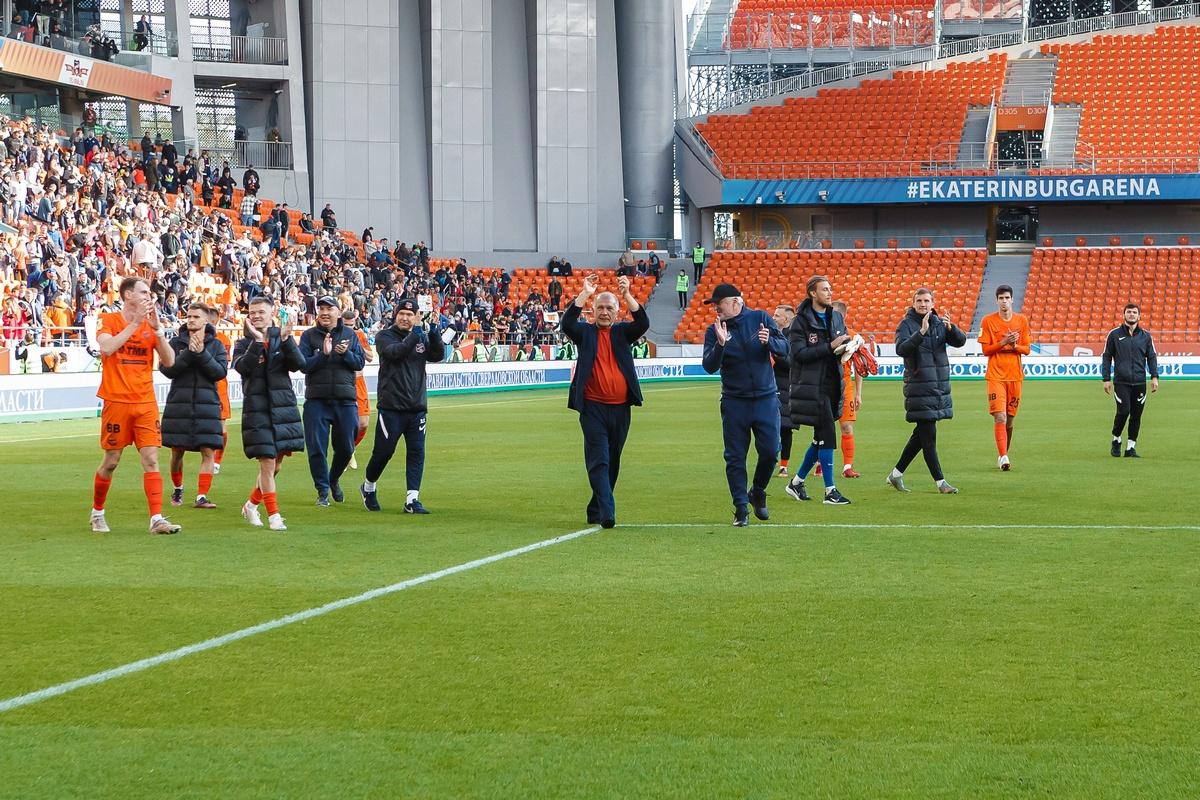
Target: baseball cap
{"points": [[406, 305], [722, 291], [327, 301]]}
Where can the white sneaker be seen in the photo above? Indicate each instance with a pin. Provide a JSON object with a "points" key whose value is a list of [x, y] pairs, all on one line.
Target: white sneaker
{"points": [[1003, 464], [216, 469], [250, 513], [275, 523], [99, 525], [353, 462]]}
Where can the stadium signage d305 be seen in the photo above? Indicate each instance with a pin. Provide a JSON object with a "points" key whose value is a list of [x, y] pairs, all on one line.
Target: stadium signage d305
{"points": [[1042, 189]]}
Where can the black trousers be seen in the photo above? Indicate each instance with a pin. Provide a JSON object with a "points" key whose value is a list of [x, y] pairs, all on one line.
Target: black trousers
{"points": [[322, 418], [1131, 401], [924, 441], [605, 428], [785, 439], [682, 299], [390, 426]]}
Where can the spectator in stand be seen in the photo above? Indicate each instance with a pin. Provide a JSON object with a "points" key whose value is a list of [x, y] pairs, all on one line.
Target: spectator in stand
{"points": [[248, 208], [147, 147], [554, 267], [142, 33], [555, 292], [329, 217], [250, 180]]}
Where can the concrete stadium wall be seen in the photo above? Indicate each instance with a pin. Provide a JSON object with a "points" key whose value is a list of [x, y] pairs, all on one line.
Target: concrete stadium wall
{"points": [[483, 127]]}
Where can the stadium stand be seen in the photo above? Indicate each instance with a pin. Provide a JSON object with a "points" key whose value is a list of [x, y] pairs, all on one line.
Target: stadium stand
{"points": [[81, 205], [1077, 289], [881, 128], [782, 24], [1140, 98], [876, 284]]}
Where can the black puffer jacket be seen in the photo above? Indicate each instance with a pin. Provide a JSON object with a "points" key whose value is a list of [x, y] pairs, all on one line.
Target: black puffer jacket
{"points": [[331, 377], [816, 371], [192, 416], [783, 385], [927, 366], [271, 422]]}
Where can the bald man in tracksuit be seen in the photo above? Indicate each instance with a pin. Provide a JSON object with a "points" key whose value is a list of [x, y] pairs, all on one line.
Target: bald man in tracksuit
{"points": [[740, 345]]}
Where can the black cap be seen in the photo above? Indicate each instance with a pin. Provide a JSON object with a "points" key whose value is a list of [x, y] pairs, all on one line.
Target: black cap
{"points": [[407, 304], [721, 291], [328, 300]]}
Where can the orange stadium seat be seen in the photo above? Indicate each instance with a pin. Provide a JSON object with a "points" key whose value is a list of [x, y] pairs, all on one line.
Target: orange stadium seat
{"points": [[877, 285], [1072, 291], [881, 128], [1139, 98], [783, 24]]}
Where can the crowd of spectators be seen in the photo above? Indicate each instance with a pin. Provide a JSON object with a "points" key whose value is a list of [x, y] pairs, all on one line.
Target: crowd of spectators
{"points": [[84, 212]]}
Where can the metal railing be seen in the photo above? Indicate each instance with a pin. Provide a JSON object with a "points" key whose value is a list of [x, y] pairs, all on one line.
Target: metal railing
{"points": [[261, 155], [872, 240], [884, 62], [241, 49], [896, 27]]}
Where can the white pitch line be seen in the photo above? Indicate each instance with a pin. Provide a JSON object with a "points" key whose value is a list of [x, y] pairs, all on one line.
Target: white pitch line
{"points": [[299, 616], [887, 526]]}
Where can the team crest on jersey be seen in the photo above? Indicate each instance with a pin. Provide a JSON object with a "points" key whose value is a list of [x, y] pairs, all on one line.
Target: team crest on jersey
{"points": [[420, 348], [812, 338]]}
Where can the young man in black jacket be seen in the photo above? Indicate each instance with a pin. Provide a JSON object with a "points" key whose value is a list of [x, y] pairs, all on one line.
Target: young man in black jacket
{"points": [[192, 416], [404, 348], [1132, 349], [333, 356], [604, 386], [266, 357], [816, 339], [921, 340]]}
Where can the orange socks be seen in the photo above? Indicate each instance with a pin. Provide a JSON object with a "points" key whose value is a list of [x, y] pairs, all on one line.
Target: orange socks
{"points": [[1010, 430], [1001, 438], [152, 483], [100, 488], [205, 483], [177, 479], [224, 443], [272, 502], [783, 463], [256, 496], [847, 448]]}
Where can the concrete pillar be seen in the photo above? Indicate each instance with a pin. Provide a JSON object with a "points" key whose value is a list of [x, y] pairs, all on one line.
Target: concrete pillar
{"points": [[646, 73], [706, 230]]}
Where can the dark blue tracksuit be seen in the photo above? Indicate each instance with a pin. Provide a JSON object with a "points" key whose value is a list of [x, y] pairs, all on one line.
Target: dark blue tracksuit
{"points": [[330, 401], [749, 396]]}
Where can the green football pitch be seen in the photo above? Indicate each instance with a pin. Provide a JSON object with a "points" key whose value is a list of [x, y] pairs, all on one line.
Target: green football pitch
{"points": [[1037, 635]]}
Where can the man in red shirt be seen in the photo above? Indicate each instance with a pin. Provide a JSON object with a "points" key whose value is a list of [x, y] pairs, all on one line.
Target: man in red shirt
{"points": [[129, 340], [604, 386]]}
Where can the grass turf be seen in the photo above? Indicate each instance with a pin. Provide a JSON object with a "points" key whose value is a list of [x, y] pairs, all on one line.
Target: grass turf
{"points": [[906, 658]]}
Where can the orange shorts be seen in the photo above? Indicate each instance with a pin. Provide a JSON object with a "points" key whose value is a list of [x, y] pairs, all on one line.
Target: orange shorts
{"points": [[1004, 396], [124, 424], [848, 412], [360, 390], [223, 393]]}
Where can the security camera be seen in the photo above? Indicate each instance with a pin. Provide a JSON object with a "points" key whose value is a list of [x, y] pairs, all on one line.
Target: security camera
{"points": [[758, 201], [779, 196], [824, 195]]}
